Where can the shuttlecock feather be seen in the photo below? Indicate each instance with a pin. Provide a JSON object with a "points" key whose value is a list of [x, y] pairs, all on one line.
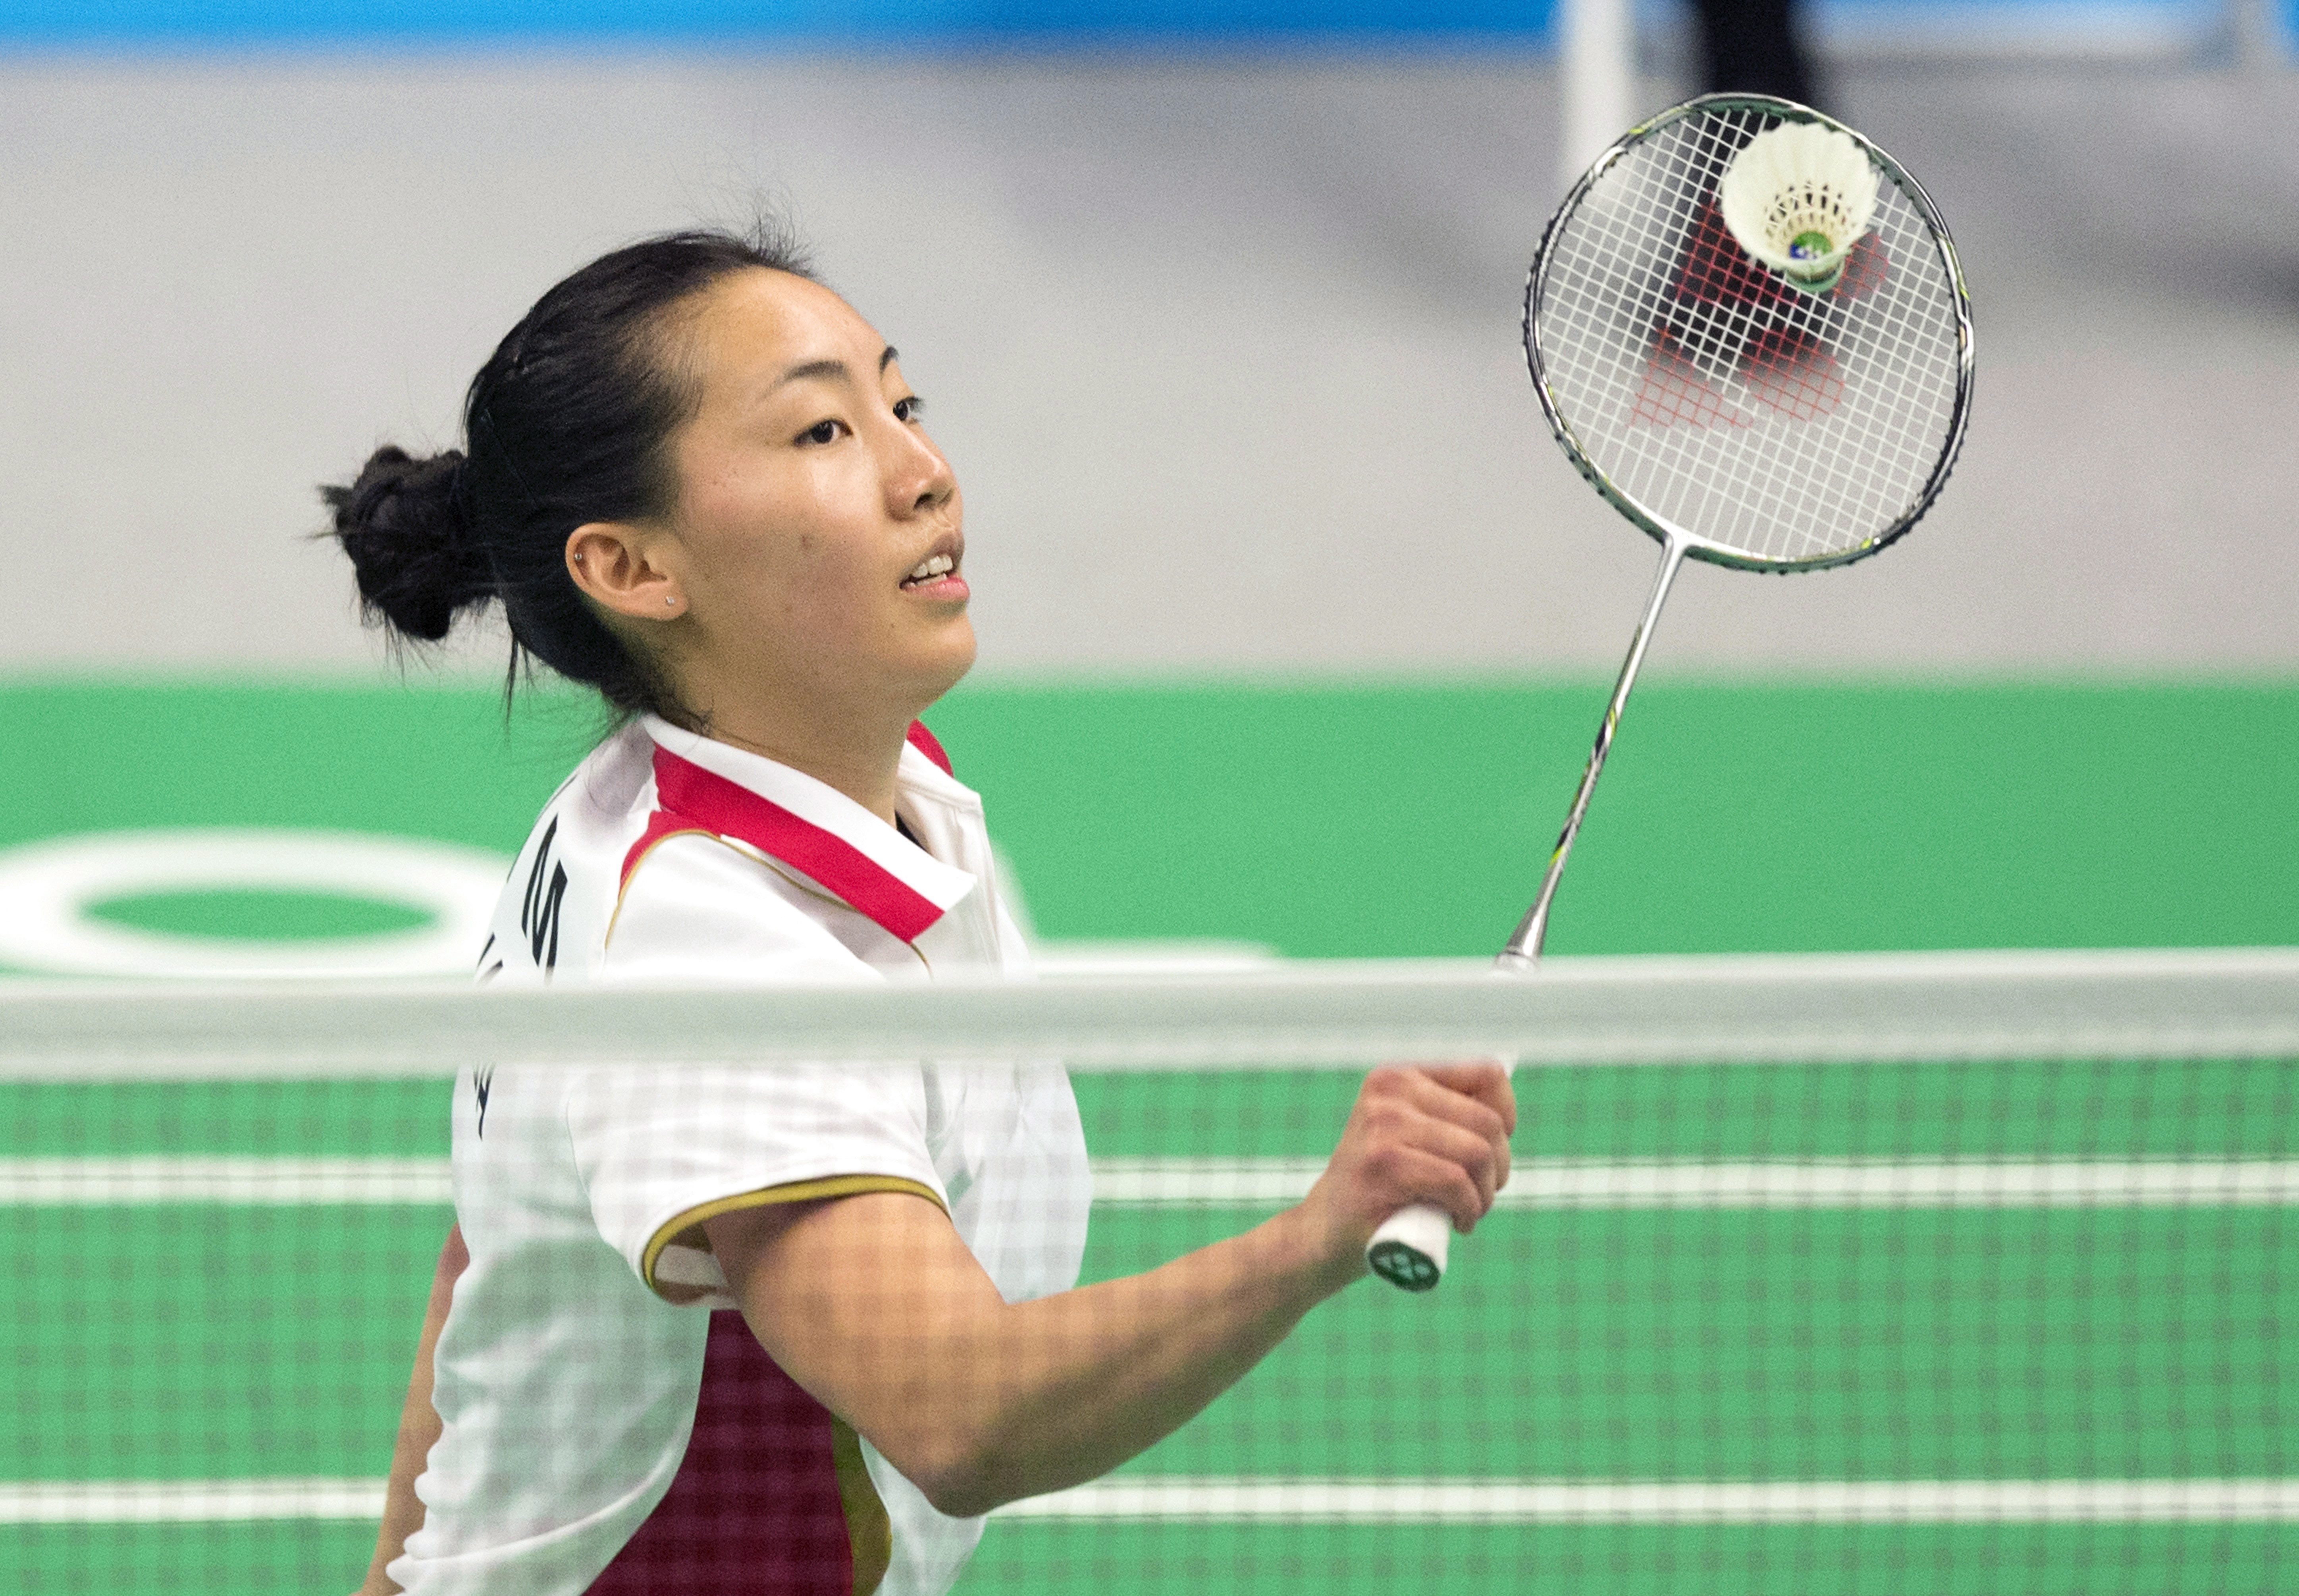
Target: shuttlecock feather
{"points": [[1798, 197]]}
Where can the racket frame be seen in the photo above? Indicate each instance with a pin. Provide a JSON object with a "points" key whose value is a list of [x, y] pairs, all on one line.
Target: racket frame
{"points": [[1660, 527], [1408, 1250], [1677, 543]]}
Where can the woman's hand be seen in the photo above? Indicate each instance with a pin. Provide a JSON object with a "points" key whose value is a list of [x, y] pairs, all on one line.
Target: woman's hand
{"points": [[1419, 1133]]}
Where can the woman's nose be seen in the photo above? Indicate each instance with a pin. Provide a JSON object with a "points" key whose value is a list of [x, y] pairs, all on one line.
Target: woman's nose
{"points": [[918, 478]]}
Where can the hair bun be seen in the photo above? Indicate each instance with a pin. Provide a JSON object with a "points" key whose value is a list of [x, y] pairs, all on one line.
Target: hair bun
{"points": [[403, 525]]}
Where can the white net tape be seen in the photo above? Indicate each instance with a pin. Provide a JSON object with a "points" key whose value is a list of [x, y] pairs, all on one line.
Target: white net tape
{"points": [[1752, 1009]]}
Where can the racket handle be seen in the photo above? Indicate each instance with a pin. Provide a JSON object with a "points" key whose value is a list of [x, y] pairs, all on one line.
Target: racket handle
{"points": [[1408, 1250]]}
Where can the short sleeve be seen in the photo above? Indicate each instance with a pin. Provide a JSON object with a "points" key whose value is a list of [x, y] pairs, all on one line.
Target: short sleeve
{"points": [[660, 1149]]}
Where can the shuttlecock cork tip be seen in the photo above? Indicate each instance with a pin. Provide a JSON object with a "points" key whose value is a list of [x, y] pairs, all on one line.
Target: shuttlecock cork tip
{"points": [[1798, 197]]}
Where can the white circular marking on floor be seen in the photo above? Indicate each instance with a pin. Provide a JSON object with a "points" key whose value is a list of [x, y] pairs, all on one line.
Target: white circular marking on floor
{"points": [[47, 889]]}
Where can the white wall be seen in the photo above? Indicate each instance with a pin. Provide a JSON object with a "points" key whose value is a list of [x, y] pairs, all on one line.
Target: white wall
{"points": [[1225, 353]]}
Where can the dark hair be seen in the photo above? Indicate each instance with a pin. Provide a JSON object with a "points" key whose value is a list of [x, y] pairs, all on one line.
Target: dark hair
{"points": [[567, 423]]}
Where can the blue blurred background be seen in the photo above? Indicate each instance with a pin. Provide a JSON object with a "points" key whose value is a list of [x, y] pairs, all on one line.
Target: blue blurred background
{"points": [[1192, 24]]}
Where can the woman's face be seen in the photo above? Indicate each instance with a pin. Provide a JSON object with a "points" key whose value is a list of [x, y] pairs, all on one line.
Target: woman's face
{"points": [[817, 531]]}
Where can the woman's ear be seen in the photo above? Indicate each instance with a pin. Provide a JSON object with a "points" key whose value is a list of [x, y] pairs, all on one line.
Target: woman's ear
{"points": [[612, 562]]}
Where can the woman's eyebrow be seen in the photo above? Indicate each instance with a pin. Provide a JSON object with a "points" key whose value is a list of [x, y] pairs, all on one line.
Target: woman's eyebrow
{"points": [[834, 371]]}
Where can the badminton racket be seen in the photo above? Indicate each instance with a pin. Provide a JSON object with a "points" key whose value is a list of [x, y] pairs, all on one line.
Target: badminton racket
{"points": [[1749, 331]]}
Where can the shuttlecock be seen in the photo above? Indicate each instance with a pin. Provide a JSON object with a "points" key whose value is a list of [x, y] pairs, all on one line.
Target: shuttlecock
{"points": [[1797, 198]]}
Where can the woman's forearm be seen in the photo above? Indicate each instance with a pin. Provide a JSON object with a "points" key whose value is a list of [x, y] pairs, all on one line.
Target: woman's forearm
{"points": [[979, 1402], [418, 1426], [1085, 1380], [875, 1305]]}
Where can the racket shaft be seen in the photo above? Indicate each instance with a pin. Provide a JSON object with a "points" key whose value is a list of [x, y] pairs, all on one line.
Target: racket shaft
{"points": [[1523, 947], [1408, 1250]]}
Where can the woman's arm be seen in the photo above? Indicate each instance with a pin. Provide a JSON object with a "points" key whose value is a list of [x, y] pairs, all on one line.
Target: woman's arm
{"points": [[875, 1305], [419, 1426]]}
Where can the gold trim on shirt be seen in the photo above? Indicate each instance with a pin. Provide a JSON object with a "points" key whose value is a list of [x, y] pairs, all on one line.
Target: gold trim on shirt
{"points": [[797, 1191], [623, 890], [869, 1532]]}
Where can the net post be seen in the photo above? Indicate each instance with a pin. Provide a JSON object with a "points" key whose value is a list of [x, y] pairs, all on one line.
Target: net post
{"points": [[1599, 65]]}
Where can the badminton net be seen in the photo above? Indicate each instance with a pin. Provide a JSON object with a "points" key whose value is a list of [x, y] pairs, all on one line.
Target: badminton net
{"points": [[1934, 1274]]}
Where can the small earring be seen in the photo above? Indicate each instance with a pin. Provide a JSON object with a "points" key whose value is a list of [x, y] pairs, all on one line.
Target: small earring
{"points": [[670, 600]]}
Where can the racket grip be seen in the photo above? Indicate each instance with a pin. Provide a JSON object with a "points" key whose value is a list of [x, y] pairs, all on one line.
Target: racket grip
{"points": [[1408, 1250]]}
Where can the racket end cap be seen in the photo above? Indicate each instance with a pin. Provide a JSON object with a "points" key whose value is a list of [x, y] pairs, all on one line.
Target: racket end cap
{"points": [[1405, 1267]]}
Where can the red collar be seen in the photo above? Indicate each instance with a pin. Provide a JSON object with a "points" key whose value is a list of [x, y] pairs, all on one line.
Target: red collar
{"points": [[690, 798], [927, 743]]}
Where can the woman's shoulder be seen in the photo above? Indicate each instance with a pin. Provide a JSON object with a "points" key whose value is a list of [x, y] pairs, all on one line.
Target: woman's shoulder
{"points": [[696, 905], [603, 887], [558, 898]]}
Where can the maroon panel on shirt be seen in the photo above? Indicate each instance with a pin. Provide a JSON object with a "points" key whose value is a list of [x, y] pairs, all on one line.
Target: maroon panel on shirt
{"points": [[754, 1509]]}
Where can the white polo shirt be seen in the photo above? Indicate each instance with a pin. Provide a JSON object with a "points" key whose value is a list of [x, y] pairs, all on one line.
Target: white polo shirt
{"points": [[611, 1425]]}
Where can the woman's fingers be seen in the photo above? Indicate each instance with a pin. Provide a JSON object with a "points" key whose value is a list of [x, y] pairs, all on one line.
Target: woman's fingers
{"points": [[1488, 1119], [1485, 1083], [1419, 1175], [1415, 1143], [1450, 1182], [1436, 1134], [1477, 1098]]}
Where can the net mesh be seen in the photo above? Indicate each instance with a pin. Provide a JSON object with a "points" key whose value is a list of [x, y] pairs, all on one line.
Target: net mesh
{"points": [[1940, 1276], [1779, 426]]}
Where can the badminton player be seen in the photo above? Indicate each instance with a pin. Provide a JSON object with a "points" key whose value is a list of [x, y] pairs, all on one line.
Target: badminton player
{"points": [[710, 1330]]}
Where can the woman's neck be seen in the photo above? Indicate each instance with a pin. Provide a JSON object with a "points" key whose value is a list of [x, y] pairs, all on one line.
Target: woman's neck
{"points": [[855, 752]]}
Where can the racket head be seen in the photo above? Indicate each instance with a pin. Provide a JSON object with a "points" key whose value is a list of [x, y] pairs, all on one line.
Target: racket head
{"points": [[1711, 401]]}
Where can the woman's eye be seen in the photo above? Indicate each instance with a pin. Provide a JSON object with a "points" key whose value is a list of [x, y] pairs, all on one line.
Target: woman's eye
{"points": [[822, 432], [909, 409]]}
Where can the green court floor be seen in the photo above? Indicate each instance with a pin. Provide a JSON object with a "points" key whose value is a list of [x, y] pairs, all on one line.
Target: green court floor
{"points": [[1368, 819], [207, 1341], [214, 1342], [1133, 1559]]}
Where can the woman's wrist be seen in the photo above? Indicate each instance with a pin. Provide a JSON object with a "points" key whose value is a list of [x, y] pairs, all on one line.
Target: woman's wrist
{"points": [[1310, 1256]]}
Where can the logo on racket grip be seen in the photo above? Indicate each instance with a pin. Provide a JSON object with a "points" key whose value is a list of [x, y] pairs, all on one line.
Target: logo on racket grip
{"points": [[1404, 1266]]}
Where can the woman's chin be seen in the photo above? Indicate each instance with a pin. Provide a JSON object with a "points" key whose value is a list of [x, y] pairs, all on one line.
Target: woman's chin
{"points": [[944, 662]]}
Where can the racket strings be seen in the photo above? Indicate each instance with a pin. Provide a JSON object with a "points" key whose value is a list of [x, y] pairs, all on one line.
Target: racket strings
{"points": [[1774, 425]]}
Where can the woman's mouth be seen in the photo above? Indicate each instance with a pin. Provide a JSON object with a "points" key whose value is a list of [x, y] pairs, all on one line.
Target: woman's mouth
{"points": [[936, 577]]}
